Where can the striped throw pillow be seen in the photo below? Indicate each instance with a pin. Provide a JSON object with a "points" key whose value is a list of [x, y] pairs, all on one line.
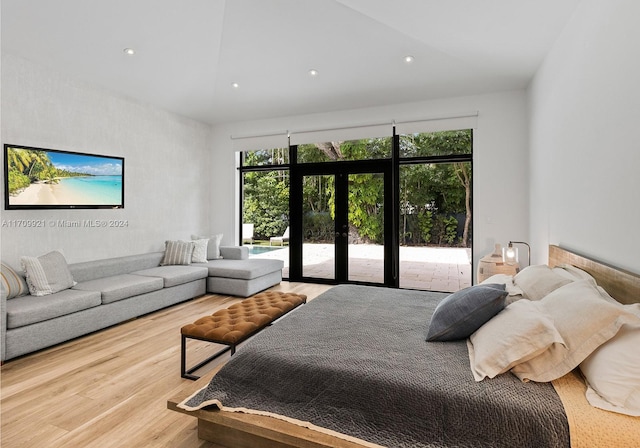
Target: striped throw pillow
{"points": [[47, 274], [13, 284], [177, 252]]}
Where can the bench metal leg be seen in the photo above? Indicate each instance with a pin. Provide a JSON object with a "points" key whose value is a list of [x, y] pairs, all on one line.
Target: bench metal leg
{"points": [[188, 373]]}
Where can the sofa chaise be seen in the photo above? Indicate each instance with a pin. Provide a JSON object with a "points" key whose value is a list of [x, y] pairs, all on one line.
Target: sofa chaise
{"points": [[110, 291]]}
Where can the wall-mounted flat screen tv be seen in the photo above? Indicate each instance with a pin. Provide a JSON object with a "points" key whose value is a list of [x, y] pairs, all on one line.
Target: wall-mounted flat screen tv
{"points": [[37, 178]]}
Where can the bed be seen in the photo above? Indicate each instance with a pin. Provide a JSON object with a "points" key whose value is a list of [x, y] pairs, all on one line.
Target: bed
{"points": [[352, 369]]}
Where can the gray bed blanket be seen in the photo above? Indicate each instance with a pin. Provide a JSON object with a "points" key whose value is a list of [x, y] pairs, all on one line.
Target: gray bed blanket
{"points": [[354, 360]]}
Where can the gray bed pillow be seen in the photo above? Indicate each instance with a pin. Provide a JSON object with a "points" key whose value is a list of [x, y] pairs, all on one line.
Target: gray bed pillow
{"points": [[463, 312]]}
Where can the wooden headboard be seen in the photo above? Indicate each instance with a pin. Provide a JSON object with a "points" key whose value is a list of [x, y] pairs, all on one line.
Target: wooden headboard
{"points": [[624, 286]]}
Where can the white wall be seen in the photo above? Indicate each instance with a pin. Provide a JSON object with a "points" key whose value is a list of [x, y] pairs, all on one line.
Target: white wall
{"points": [[585, 150], [166, 164], [501, 208]]}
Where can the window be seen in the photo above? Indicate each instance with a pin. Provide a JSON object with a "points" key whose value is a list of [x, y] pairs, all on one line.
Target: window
{"points": [[430, 205]]}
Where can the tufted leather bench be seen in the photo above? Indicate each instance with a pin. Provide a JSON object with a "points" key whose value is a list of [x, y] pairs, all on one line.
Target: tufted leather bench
{"points": [[235, 324]]}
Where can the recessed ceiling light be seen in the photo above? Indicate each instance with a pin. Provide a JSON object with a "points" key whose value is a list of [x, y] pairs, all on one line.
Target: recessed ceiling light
{"points": [[313, 72], [235, 85], [129, 51], [408, 59]]}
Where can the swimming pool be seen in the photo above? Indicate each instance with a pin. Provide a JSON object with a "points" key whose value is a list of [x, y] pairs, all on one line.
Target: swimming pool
{"points": [[255, 250]]}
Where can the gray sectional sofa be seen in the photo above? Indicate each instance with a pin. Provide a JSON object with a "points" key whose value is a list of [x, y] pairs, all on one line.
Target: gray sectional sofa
{"points": [[114, 290]]}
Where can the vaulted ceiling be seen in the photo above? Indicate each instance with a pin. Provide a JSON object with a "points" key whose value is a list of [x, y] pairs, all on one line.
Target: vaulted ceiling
{"points": [[189, 53]]}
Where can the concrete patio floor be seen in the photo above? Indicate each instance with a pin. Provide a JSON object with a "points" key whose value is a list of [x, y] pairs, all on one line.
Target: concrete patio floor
{"points": [[426, 268]]}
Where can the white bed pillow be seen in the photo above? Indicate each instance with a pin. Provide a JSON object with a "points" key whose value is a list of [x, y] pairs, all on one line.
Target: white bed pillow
{"points": [[514, 292], [538, 280], [518, 333], [584, 320], [612, 371], [573, 273]]}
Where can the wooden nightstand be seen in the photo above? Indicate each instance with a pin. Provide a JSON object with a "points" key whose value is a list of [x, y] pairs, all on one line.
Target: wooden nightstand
{"points": [[492, 264]]}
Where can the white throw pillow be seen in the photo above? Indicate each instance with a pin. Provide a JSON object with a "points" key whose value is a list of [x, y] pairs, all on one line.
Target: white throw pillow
{"points": [[47, 274], [213, 248], [200, 251]]}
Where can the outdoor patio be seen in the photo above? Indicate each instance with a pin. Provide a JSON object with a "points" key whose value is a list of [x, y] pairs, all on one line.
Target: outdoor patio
{"points": [[427, 268]]}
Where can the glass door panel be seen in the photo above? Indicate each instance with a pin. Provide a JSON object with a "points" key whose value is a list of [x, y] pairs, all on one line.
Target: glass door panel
{"points": [[318, 224], [366, 227], [435, 226]]}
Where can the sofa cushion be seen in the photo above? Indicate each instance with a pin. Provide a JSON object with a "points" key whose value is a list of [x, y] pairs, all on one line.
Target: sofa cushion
{"points": [[242, 269], [120, 287], [91, 270], [175, 275], [234, 252], [29, 309]]}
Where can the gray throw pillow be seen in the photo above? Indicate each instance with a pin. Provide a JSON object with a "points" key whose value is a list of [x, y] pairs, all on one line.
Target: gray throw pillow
{"points": [[47, 274], [458, 315]]}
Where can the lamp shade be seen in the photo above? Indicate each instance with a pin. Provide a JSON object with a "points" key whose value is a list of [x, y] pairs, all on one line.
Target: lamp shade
{"points": [[510, 254]]}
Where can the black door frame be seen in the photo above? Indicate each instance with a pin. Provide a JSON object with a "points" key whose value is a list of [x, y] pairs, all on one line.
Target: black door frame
{"points": [[341, 171]]}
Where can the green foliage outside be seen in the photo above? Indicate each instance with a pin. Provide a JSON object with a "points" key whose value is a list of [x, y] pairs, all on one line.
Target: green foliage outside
{"points": [[434, 198], [27, 166], [366, 212], [266, 195]]}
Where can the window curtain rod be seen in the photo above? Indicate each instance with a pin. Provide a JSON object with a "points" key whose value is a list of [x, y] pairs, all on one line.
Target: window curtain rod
{"points": [[359, 126], [442, 118], [271, 134]]}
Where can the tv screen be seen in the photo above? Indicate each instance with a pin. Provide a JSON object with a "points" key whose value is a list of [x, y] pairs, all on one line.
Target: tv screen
{"points": [[37, 178]]}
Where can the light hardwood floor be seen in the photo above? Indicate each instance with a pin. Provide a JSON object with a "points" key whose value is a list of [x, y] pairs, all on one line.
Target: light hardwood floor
{"points": [[110, 388]]}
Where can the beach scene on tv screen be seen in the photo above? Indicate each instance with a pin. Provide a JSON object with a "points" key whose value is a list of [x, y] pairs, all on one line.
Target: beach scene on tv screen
{"points": [[41, 177]]}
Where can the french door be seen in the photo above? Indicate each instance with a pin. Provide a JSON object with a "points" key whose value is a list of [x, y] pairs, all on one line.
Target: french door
{"points": [[328, 252]]}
